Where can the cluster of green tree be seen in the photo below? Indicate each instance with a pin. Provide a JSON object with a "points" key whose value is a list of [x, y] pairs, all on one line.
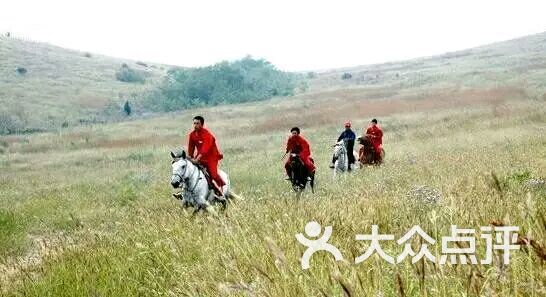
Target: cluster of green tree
{"points": [[244, 80]]}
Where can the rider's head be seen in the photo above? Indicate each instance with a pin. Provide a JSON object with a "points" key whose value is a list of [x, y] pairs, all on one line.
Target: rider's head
{"points": [[374, 122], [348, 125], [295, 131], [198, 122]]}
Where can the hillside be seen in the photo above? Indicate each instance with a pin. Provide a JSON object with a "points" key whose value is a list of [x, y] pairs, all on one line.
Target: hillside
{"points": [[63, 85], [70, 87], [520, 62]]}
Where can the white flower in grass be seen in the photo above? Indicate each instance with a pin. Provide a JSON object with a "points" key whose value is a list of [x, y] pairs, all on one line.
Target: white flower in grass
{"points": [[536, 183], [425, 194]]}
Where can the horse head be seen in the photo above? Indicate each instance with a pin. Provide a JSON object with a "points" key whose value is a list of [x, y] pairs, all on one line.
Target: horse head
{"points": [[340, 148], [179, 169], [365, 140]]}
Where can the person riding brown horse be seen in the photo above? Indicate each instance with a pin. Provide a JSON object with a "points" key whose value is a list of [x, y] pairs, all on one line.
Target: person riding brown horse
{"points": [[371, 151]]}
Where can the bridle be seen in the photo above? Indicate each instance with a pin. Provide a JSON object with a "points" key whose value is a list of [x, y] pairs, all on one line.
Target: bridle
{"points": [[342, 151], [181, 176]]}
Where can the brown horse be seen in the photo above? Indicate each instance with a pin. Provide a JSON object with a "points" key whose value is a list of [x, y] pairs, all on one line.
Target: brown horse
{"points": [[367, 154]]}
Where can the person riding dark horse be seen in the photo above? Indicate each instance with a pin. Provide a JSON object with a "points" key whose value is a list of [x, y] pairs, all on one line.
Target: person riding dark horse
{"points": [[300, 151]]}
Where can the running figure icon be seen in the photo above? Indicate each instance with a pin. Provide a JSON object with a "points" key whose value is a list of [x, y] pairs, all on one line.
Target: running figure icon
{"points": [[313, 229]]}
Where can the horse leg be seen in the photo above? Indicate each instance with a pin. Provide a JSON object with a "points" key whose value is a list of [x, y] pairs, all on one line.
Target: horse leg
{"points": [[234, 197], [224, 204]]}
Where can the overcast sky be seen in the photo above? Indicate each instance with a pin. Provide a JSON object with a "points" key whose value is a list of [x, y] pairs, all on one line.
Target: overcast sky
{"points": [[292, 34]]}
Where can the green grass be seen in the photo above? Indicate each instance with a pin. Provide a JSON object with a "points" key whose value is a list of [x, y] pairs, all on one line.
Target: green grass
{"points": [[101, 199], [12, 231]]}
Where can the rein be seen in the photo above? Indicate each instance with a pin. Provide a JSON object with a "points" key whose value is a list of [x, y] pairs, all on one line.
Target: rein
{"points": [[198, 175], [192, 174]]}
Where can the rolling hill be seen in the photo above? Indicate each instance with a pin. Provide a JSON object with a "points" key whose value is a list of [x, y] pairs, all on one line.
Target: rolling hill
{"points": [[519, 62], [69, 87], [63, 85]]}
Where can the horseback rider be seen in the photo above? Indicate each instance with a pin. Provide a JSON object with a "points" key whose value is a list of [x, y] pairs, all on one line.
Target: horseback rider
{"points": [[376, 135], [348, 136], [297, 144], [202, 149]]}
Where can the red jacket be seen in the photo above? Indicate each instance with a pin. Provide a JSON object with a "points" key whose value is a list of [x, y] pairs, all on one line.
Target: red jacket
{"points": [[205, 143], [377, 136], [298, 144]]}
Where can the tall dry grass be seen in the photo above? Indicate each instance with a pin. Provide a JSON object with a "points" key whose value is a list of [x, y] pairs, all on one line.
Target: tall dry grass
{"points": [[95, 217]]}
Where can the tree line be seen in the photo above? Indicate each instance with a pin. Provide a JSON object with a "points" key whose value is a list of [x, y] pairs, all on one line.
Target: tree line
{"points": [[243, 80]]}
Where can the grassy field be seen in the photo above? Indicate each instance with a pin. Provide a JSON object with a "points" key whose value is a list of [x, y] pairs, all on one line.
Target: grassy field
{"points": [[87, 210]]}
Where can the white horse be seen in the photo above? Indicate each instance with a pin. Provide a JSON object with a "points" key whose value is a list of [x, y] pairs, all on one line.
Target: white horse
{"points": [[342, 160], [192, 180]]}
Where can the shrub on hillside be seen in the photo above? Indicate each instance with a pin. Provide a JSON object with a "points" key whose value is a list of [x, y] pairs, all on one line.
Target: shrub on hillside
{"points": [[87, 55], [21, 70], [126, 74], [142, 64], [346, 76], [127, 108], [226, 82]]}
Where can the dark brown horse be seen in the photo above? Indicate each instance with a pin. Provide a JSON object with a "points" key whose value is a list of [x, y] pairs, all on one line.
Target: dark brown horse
{"points": [[367, 154]]}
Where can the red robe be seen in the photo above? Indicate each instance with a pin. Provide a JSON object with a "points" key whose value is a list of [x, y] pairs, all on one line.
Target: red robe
{"points": [[376, 137], [299, 145], [205, 143]]}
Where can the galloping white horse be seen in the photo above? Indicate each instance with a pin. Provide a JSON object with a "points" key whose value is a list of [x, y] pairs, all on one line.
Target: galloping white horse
{"points": [[196, 191], [340, 154]]}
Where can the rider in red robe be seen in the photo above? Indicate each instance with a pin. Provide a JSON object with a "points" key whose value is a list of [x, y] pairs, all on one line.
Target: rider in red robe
{"points": [[299, 145], [376, 135], [208, 154]]}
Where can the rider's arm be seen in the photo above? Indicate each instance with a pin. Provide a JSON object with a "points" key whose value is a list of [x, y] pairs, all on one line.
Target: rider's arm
{"points": [[191, 146], [288, 146], [368, 132], [341, 136]]}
